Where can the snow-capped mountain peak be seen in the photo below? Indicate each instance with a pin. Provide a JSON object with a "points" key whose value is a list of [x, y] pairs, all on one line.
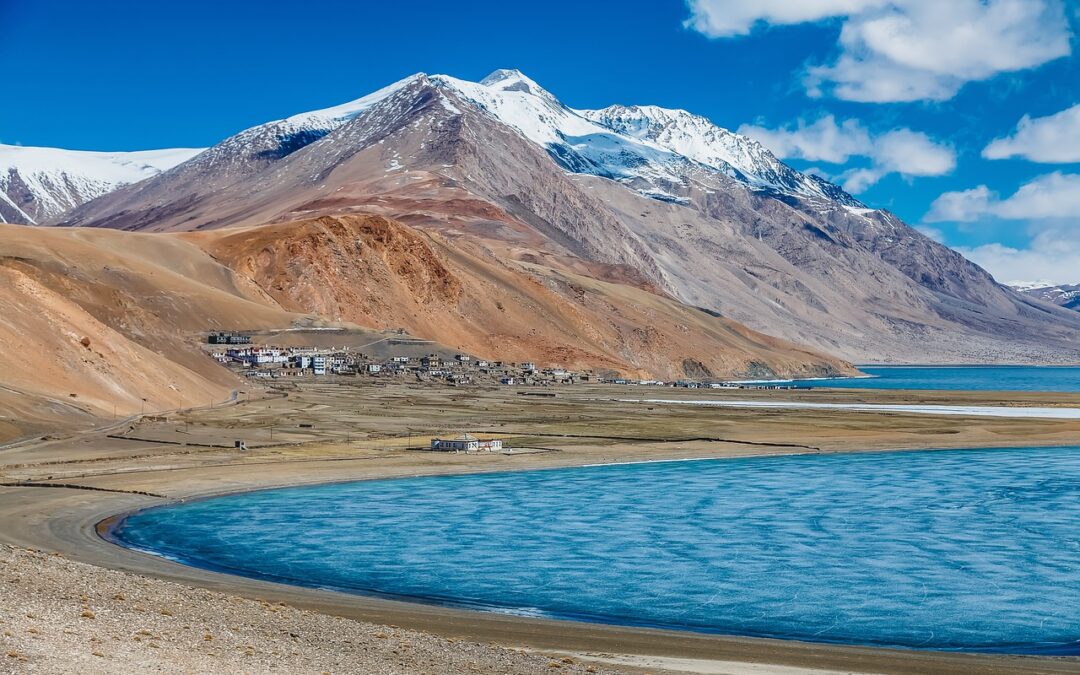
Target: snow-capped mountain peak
{"points": [[658, 152], [655, 148], [37, 184], [512, 79], [697, 138], [335, 115], [1024, 286], [1064, 295]]}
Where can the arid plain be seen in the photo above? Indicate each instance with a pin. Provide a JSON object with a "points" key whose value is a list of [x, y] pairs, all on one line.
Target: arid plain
{"points": [[60, 493]]}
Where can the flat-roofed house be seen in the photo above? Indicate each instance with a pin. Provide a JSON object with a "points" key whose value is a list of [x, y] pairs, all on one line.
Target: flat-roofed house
{"points": [[466, 443]]}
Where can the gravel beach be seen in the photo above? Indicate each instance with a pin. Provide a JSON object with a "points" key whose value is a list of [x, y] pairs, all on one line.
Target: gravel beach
{"points": [[59, 616]]}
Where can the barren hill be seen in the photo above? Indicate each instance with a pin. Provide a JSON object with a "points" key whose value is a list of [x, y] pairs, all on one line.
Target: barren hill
{"points": [[376, 272], [662, 199], [99, 322], [95, 321]]}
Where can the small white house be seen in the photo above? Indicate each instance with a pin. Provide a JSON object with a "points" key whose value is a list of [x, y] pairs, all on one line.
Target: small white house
{"points": [[373, 368], [466, 443]]}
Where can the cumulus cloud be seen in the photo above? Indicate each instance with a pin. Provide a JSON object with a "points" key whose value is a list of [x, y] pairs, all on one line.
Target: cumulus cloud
{"points": [[730, 18], [903, 151], [905, 50], [1048, 207], [963, 206], [932, 232], [1053, 255], [1054, 195], [1052, 139], [820, 141]]}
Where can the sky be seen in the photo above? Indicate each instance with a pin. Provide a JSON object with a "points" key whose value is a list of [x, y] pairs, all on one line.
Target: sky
{"points": [[961, 116]]}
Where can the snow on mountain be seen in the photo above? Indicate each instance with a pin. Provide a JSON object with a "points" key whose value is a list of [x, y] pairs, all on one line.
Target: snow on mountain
{"points": [[265, 143], [37, 184], [578, 144], [654, 151], [699, 139], [648, 147], [1024, 286], [1065, 295]]}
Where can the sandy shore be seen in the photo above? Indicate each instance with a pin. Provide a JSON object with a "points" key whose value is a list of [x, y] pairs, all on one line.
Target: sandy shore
{"points": [[60, 616], [64, 520]]}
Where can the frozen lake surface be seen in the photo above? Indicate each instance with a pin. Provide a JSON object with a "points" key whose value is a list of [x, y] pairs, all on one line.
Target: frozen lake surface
{"points": [[985, 378], [959, 550]]}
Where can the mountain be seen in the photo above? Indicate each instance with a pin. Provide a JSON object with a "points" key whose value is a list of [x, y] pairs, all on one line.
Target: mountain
{"points": [[658, 199], [40, 184], [100, 323], [698, 139], [1063, 295], [377, 272], [114, 318]]}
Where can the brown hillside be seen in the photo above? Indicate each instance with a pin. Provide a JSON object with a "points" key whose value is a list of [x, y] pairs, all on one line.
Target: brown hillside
{"points": [[92, 322], [377, 272]]}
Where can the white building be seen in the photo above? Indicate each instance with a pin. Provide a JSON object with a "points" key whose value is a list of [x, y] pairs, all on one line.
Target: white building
{"points": [[318, 365], [466, 443], [373, 367]]}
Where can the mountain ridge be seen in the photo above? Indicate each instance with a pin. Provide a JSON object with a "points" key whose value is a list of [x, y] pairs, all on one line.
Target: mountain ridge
{"points": [[41, 184], [510, 168]]}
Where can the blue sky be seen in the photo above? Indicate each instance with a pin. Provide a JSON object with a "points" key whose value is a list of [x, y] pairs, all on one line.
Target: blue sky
{"points": [[899, 100]]}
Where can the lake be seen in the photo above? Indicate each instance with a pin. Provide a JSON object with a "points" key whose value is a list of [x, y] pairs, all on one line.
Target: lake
{"points": [[954, 550], [985, 378]]}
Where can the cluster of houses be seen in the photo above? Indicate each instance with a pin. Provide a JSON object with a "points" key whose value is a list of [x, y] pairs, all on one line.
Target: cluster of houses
{"points": [[260, 361], [285, 362]]}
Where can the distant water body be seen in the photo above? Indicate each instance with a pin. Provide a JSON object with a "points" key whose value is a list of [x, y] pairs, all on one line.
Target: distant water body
{"points": [[974, 550], [983, 378]]}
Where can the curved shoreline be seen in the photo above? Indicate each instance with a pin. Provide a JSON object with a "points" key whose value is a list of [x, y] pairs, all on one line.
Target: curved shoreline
{"points": [[70, 522], [107, 530], [65, 521]]}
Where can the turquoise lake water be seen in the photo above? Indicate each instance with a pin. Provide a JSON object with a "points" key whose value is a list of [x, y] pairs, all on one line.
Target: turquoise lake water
{"points": [[957, 550], [986, 378]]}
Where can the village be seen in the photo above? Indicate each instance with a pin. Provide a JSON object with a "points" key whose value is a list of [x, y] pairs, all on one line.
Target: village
{"points": [[236, 351]]}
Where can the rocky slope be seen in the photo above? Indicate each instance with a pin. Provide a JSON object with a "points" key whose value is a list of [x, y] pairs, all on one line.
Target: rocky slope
{"points": [[660, 199], [99, 323], [379, 273], [38, 185]]}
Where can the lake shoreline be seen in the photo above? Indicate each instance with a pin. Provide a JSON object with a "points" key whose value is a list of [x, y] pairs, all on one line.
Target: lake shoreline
{"points": [[65, 521], [162, 531]]}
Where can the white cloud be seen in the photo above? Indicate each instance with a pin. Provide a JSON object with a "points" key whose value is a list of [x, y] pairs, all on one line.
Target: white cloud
{"points": [[906, 50], [1052, 139], [821, 141], [932, 232], [903, 151], [1054, 195], [729, 18], [1053, 255], [964, 206], [1049, 207]]}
